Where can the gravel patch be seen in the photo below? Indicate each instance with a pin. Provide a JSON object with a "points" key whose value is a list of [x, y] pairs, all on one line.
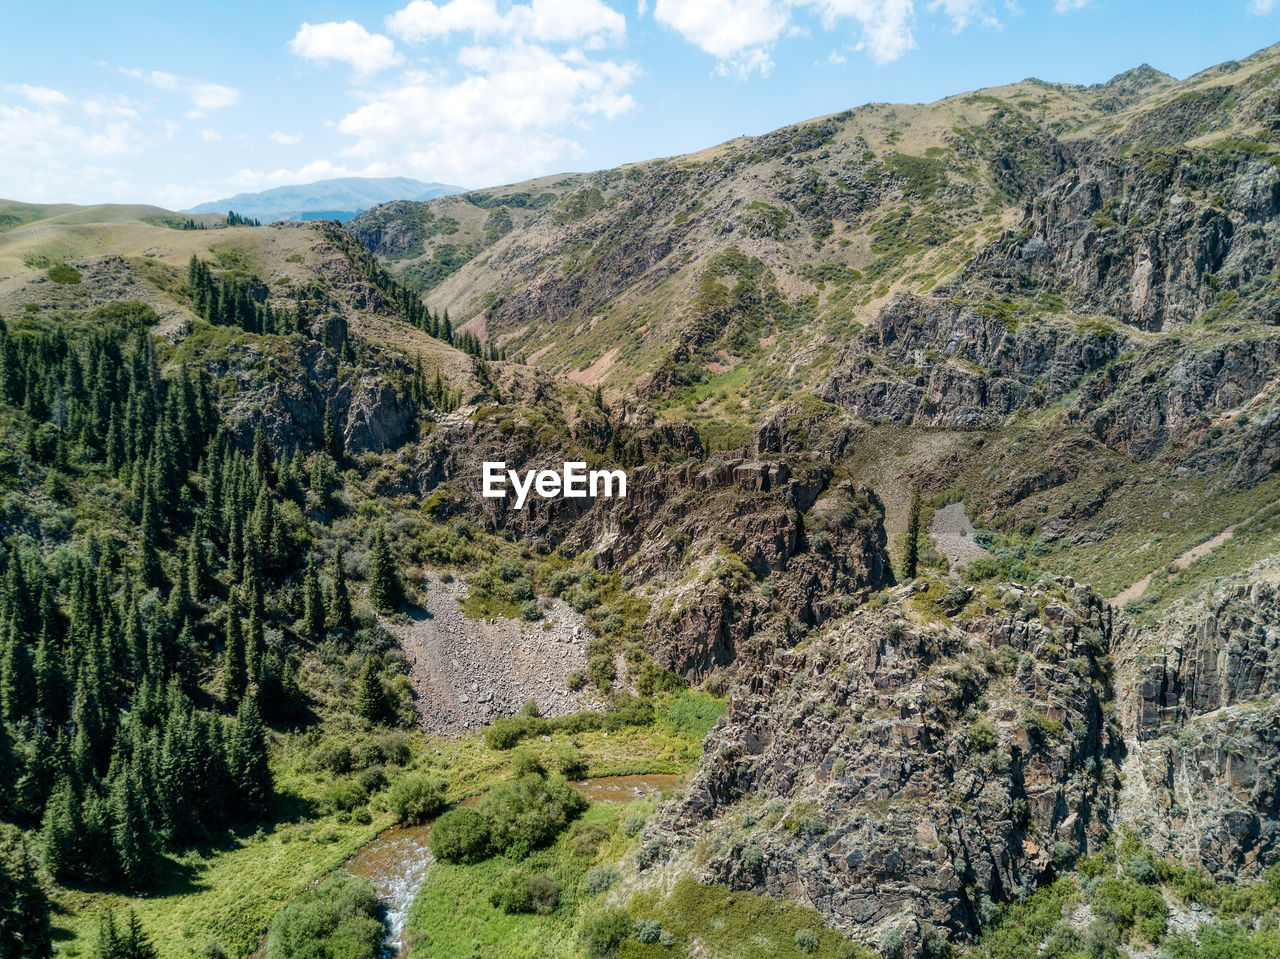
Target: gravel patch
{"points": [[467, 673], [952, 534]]}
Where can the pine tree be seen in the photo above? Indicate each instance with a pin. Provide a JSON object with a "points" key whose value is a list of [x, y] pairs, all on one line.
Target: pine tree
{"points": [[321, 481], [132, 838], [339, 597], [247, 760], [196, 571], [137, 944], [9, 771], [386, 592], [235, 678], [60, 831], [261, 454], [333, 442], [911, 555], [109, 944], [25, 932], [148, 557], [51, 682], [312, 603], [17, 679], [371, 699]]}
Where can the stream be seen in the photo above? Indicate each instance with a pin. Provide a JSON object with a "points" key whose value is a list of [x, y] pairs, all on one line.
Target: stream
{"points": [[397, 860]]}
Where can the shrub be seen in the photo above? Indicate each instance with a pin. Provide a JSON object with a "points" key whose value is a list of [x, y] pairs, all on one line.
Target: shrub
{"points": [[64, 274], [1141, 869], [519, 892], [982, 736], [891, 947], [807, 941], [753, 859], [460, 835], [649, 931], [415, 798], [599, 880], [529, 812], [337, 918], [525, 762], [505, 732], [343, 795], [603, 933], [569, 763]]}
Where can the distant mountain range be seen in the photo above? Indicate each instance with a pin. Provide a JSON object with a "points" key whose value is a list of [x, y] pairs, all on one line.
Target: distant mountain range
{"points": [[339, 199]]}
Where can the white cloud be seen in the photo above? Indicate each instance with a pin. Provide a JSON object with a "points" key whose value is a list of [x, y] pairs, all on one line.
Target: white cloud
{"points": [[348, 42], [285, 139], [740, 34], [61, 148], [1261, 7], [508, 115], [964, 12], [544, 21], [209, 135], [1066, 6], [203, 95], [40, 96]]}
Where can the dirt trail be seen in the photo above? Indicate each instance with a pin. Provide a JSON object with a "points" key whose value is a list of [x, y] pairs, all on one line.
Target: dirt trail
{"points": [[952, 533], [466, 673], [1137, 590]]}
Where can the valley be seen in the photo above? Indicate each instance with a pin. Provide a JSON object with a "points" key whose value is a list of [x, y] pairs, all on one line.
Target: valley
{"points": [[936, 615]]}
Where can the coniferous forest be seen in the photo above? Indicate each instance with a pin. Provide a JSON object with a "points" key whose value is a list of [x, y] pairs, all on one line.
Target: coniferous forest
{"points": [[142, 657]]}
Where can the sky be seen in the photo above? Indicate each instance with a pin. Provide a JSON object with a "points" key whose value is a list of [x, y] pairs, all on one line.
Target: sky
{"points": [[132, 102]]}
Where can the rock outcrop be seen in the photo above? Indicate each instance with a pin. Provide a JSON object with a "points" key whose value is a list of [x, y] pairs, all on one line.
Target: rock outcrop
{"points": [[904, 775], [1200, 706]]}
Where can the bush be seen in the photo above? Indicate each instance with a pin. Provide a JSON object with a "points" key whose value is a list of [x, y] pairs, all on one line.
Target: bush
{"points": [[603, 933], [585, 838], [649, 931], [505, 732], [343, 795], [526, 761], [338, 919], [460, 835], [599, 880], [529, 812], [64, 274], [569, 763], [891, 947], [982, 736], [1141, 869], [807, 941], [518, 892], [415, 798]]}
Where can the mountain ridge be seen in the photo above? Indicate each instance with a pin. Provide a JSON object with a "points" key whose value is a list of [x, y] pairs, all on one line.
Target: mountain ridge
{"points": [[339, 198]]}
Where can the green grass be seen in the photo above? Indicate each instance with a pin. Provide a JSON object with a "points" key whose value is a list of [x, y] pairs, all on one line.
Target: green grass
{"points": [[224, 896], [227, 893], [453, 917], [716, 922]]}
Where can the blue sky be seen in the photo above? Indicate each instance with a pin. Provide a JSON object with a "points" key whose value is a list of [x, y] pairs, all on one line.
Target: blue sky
{"points": [[145, 102]]}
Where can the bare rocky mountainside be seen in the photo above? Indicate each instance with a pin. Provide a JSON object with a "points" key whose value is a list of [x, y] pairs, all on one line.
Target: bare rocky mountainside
{"points": [[951, 434], [1054, 305]]}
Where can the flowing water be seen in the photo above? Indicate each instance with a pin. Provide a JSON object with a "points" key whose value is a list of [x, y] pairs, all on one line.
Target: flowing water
{"points": [[397, 860]]}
